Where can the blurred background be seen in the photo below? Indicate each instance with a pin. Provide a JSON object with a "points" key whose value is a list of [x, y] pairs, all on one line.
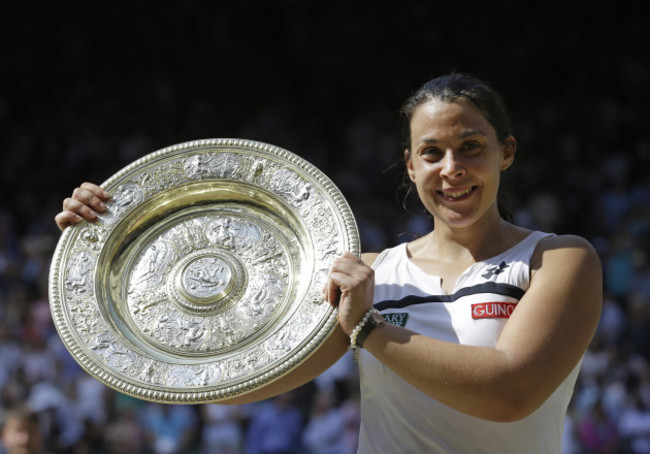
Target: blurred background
{"points": [[87, 88]]}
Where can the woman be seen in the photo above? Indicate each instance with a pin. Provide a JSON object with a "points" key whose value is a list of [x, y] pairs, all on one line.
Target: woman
{"points": [[487, 321]]}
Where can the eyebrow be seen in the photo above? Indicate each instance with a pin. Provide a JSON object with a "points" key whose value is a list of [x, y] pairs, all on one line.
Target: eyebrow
{"points": [[468, 133]]}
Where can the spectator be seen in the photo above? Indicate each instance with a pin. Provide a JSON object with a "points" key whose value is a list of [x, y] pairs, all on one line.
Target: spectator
{"points": [[275, 428], [323, 432], [634, 426], [125, 434], [222, 429], [20, 432], [598, 433], [170, 428]]}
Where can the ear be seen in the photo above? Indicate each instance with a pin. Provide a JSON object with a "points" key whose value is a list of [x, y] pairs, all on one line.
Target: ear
{"points": [[409, 164], [509, 151]]}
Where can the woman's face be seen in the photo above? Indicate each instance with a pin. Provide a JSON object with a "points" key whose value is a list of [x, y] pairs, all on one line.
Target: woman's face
{"points": [[21, 436], [455, 161]]}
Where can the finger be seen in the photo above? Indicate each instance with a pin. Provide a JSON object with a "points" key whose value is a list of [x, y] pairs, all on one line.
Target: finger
{"points": [[346, 271], [76, 207], [88, 198], [66, 219], [332, 293], [349, 265], [97, 190], [339, 284], [351, 257], [346, 259]]}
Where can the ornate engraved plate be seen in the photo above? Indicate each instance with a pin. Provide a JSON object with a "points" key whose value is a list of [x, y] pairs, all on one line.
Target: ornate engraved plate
{"points": [[203, 279]]}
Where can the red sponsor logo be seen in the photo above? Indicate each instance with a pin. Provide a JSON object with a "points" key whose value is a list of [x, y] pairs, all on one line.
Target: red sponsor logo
{"points": [[497, 309]]}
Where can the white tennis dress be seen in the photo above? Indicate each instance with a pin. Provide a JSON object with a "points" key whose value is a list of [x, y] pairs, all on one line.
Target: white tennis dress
{"points": [[397, 417]]}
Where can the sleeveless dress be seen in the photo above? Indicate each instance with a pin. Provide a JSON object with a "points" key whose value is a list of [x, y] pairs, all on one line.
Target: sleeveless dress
{"points": [[397, 417]]}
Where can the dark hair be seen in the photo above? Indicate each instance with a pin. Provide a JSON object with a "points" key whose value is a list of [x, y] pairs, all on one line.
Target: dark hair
{"points": [[450, 88]]}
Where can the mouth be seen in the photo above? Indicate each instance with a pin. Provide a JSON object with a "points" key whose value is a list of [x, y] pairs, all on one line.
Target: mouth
{"points": [[454, 195]]}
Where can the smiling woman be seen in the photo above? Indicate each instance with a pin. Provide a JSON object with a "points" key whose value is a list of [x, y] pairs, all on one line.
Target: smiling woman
{"points": [[455, 160], [461, 88], [469, 338], [493, 318]]}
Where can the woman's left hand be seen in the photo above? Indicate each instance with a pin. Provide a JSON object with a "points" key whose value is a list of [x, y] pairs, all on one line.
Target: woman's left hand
{"points": [[350, 288]]}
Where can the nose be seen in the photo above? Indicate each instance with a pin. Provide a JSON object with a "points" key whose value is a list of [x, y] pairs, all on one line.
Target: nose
{"points": [[452, 166]]}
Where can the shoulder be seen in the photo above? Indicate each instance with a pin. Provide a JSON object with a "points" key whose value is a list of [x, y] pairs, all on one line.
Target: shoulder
{"points": [[571, 241], [561, 254], [566, 246]]}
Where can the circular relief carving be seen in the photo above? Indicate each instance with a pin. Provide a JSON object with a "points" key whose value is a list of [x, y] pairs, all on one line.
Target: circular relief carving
{"points": [[206, 278]]}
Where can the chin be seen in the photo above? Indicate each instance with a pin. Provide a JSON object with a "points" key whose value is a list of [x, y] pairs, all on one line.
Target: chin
{"points": [[456, 219]]}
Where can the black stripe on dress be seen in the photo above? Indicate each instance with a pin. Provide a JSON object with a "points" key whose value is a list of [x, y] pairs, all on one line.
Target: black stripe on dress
{"points": [[487, 287]]}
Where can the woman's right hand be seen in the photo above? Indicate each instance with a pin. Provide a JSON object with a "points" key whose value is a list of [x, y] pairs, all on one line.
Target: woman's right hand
{"points": [[87, 200]]}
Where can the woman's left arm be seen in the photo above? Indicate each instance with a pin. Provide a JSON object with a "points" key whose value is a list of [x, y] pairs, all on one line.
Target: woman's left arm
{"points": [[541, 343], [556, 319]]}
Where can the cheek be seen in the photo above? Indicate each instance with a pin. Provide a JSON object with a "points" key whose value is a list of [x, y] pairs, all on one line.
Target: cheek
{"points": [[488, 169], [421, 170], [419, 177]]}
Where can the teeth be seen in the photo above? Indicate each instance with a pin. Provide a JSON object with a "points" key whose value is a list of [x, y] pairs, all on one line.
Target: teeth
{"points": [[455, 195]]}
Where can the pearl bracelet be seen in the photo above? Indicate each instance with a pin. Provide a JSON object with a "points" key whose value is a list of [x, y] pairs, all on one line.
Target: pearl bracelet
{"points": [[357, 329]]}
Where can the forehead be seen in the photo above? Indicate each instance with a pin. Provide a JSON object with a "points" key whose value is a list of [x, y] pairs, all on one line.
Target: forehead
{"points": [[438, 119]]}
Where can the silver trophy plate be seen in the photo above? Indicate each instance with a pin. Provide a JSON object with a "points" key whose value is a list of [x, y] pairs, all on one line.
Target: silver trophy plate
{"points": [[203, 280]]}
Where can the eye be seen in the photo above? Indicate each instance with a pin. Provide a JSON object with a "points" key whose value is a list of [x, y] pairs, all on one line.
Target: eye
{"points": [[431, 153], [471, 146]]}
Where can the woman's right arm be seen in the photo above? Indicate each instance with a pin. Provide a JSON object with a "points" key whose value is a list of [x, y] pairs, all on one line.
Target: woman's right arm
{"points": [[88, 200]]}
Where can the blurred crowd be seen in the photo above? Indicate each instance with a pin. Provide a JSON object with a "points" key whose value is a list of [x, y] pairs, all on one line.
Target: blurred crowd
{"points": [[582, 169]]}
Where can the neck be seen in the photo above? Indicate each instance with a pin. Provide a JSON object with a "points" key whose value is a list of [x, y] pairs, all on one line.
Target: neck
{"points": [[488, 237]]}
